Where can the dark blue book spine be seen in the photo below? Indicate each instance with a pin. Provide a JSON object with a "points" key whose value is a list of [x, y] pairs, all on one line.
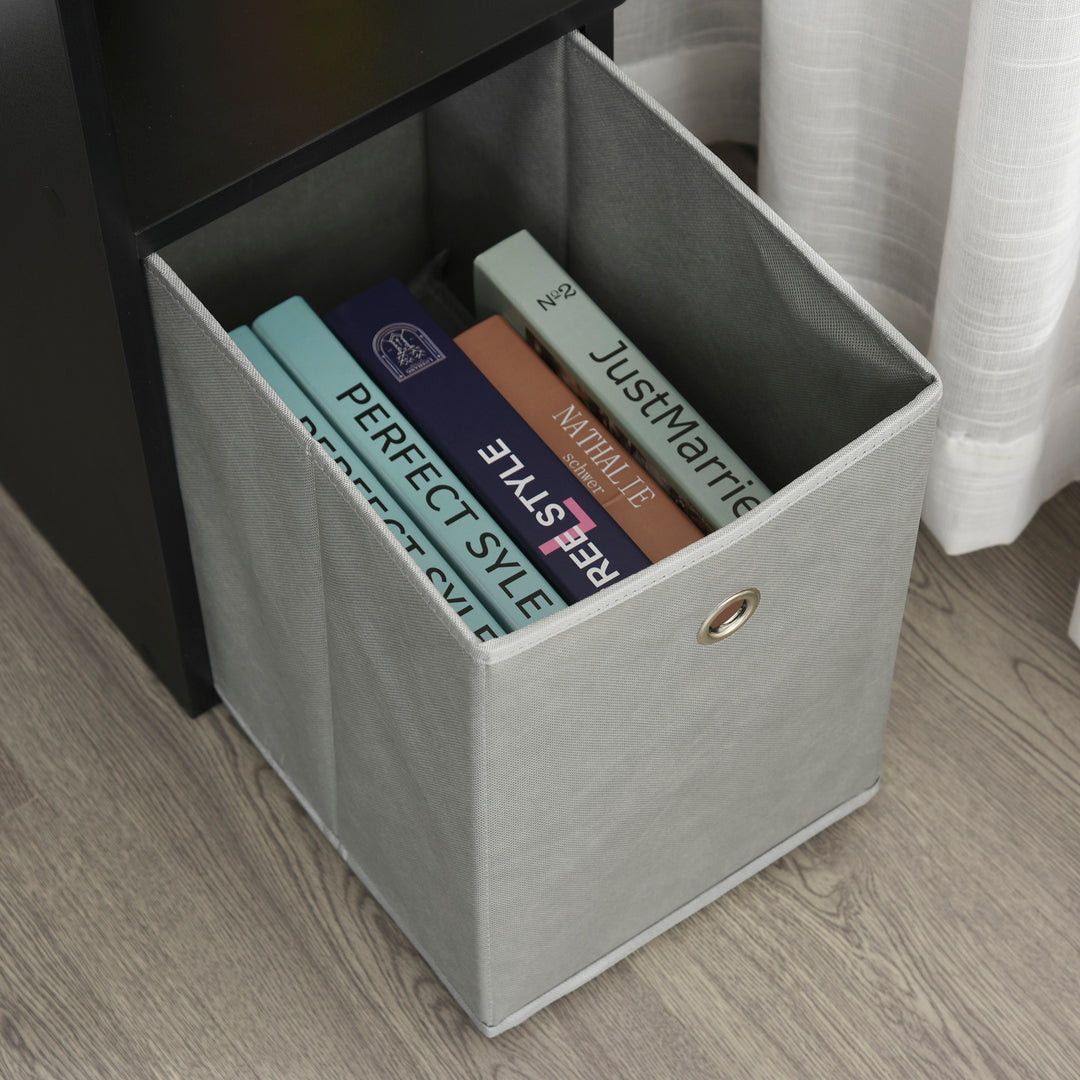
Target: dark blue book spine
{"points": [[568, 535]]}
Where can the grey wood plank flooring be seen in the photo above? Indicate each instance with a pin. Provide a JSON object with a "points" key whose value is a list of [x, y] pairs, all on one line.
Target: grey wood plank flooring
{"points": [[166, 909]]}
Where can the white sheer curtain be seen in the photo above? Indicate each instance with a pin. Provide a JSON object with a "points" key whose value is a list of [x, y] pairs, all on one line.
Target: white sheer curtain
{"points": [[930, 150]]}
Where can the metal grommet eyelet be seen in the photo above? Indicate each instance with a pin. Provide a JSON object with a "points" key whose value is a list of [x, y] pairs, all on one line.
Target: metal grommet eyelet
{"points": [[729, 616]]}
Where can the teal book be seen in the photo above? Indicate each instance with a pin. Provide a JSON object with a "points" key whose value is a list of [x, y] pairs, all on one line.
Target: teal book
{"points": [[426, 554], [478, 548], [519, 280]]}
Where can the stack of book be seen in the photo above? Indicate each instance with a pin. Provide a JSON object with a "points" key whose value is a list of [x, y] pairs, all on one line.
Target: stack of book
{"points": [[530, 462]]}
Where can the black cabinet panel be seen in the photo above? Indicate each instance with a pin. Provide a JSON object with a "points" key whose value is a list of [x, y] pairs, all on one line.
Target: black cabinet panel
{"points": [[72, 425], [123, 124], [206, 94]]}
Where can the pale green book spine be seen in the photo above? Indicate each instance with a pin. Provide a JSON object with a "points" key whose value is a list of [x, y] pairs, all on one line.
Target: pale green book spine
{"points": [[519, 280], [426, 554], [484, 555]]}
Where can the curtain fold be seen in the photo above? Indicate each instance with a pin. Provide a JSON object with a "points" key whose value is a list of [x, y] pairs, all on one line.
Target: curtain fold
{"points": [[929, 150]]}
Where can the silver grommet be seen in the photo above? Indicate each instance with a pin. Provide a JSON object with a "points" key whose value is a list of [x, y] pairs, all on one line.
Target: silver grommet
{"points": [[729, 616]]}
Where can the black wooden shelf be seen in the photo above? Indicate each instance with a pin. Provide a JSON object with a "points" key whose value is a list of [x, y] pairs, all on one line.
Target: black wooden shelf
{"points": [[126, 125], [214, 104]]}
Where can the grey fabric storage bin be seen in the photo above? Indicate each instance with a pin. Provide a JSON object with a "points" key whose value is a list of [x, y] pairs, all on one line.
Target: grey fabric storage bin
{"points": [[529, 810]]}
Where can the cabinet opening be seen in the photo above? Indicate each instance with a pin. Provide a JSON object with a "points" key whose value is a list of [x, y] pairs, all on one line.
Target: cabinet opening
{"points": [[688, 265]]}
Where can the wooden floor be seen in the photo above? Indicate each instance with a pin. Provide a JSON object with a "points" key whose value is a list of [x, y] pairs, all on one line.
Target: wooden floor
{"points": [[167, 910]]}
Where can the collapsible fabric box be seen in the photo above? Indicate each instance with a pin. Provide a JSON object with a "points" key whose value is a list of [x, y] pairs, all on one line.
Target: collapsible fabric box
{"points": [[530, 810]]}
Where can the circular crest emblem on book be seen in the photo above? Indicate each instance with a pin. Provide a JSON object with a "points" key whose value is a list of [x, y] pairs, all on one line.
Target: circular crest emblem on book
{"points": [[405, 350]]}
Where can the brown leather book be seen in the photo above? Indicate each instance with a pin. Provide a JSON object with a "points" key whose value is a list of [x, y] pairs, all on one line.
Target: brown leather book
{"points": [[614, 478]]}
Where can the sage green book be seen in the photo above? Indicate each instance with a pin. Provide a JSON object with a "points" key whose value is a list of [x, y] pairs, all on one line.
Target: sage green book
{"points": [[519, 280]]}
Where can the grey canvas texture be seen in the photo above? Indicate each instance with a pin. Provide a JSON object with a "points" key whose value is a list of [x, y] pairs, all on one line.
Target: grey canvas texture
{"points": [[528, 808]]}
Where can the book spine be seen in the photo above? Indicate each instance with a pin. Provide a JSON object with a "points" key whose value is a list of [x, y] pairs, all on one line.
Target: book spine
{"points": [[403, 460], [619, 483], [518, 279], [507, 465], [417, 545]]}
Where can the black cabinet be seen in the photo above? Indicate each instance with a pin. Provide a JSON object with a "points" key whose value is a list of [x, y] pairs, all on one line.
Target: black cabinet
{"points": [[123, 126]]}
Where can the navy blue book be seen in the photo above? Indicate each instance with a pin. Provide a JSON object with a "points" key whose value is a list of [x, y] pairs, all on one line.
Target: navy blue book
{"points": [[568, 535]]}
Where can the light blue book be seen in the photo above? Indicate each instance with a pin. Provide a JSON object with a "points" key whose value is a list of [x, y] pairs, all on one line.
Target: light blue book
{"points": [[478, 547], [426, 554]]}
